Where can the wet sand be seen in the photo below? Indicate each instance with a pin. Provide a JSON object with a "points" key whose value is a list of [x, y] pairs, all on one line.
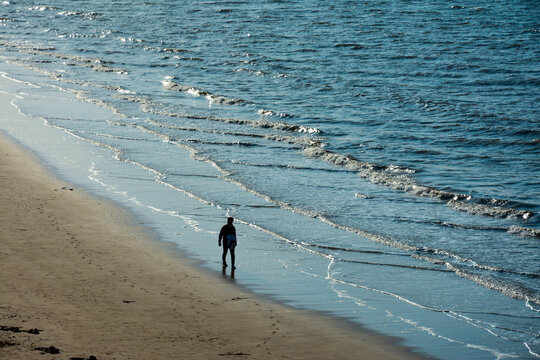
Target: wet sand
{"points": [[80, 276]]}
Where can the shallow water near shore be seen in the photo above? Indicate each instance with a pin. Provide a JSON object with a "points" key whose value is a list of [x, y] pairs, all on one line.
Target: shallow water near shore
{"points": [[403, 200]]}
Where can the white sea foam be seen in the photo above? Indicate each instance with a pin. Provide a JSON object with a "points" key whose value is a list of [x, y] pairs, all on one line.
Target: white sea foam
{"points": [[495, 211], [40, 8], [523, 231], [174, 50], [88, 15], [265, 112], [5, 75], [217, 99], [362, 196]]}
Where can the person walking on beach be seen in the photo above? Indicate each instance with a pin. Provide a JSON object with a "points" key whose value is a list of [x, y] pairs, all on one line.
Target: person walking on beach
{"points": [[228, 235]]}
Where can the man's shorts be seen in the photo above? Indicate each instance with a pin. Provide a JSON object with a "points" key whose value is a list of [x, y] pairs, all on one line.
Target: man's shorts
{"points": [[230, 241]]}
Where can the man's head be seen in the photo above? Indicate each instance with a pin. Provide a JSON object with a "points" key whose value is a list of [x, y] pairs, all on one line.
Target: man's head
{"points": [[230, 220]]}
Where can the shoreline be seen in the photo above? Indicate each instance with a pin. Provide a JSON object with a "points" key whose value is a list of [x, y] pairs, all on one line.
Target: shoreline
{"points": [[93, 282]]}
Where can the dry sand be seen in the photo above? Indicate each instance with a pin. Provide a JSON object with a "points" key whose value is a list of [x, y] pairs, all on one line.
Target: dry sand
{"points": [[79, 275]]}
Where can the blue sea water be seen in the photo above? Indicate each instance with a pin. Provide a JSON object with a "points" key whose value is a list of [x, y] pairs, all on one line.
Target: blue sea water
{"points": [[381, 156]]}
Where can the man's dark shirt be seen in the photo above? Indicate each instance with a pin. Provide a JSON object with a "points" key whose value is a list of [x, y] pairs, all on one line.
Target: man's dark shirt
{"points": [[226, 230]]}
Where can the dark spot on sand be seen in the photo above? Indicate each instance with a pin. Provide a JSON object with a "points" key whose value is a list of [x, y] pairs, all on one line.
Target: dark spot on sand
{"points": [[49, 350], [17, 329], [7, 343], [233, 354], [128, 301], [10, 328]]}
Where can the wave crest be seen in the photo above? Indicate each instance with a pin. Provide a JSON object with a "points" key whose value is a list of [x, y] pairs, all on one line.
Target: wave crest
{"points": [[217, 99]]}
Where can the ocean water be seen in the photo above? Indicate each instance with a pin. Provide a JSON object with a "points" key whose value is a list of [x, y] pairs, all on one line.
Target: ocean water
{"points": [[382, 158]]}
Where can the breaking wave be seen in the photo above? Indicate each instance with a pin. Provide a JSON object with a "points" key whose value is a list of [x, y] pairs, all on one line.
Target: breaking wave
{"points": [[217, 99], [398, 178], [94, 64], [292, 140], [149, 106], [514, 229]]}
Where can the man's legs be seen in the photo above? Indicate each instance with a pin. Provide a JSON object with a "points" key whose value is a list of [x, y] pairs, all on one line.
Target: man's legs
{"points": [[224, 256], [232, 257]]}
